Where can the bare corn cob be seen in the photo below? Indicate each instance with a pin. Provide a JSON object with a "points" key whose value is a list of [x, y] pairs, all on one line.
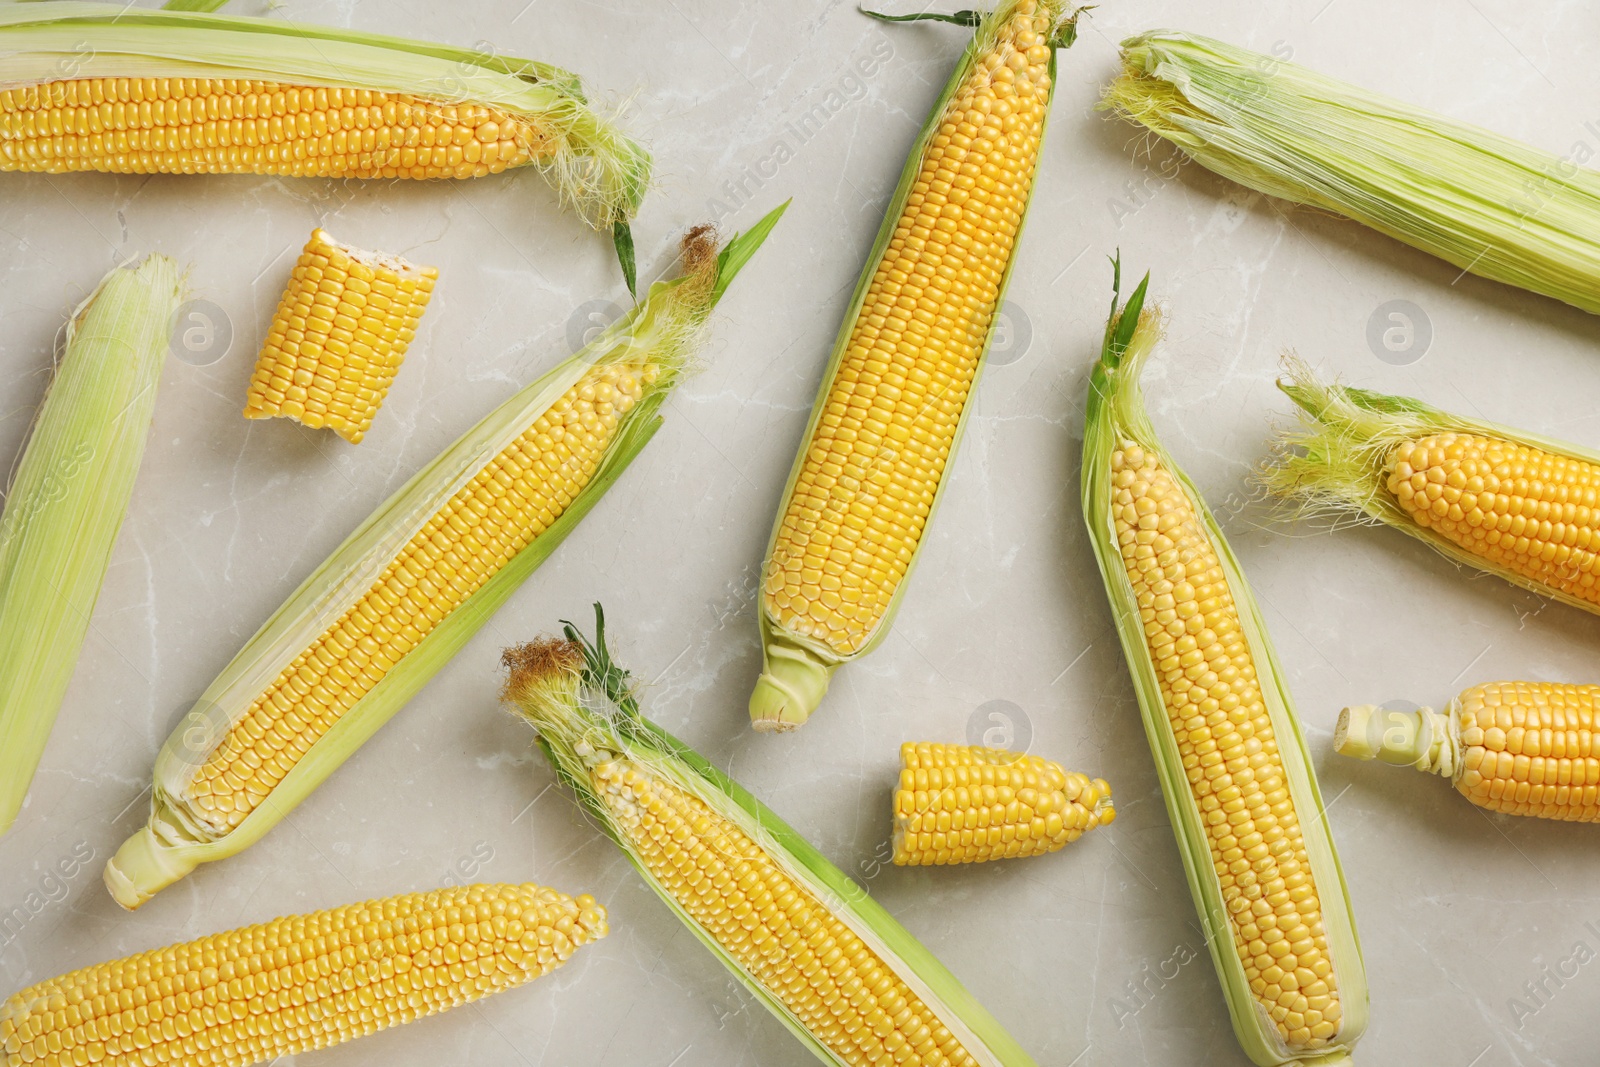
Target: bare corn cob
{"points": [[840, 973], [1518, 748], [340, 333], [413, 583], [300, 982], [134, 91], [1515, 504], [897, 389], [1237, 778], [970, 804]]}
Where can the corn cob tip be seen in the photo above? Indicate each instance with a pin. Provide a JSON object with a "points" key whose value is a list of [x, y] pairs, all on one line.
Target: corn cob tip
{"points": [[143, 867], [789, 689], [1420, 739]]}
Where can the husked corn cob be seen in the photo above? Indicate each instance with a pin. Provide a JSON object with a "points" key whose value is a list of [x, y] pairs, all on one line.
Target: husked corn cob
{"points": [[894, 399], [845, 978], [1519, 748], [971, 804], [412, 584], [103, 87], [1238, 781], [301, 982], [340, 333], [1518, 505]]}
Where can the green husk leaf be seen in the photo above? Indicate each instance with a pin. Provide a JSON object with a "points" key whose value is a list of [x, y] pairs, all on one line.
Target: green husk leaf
{"points": [[971, 19], [622, 239], [68, 500], [1116, 416], [1483, 202], [1334, 463], [593, 703], [667, 324], [193, 5]]}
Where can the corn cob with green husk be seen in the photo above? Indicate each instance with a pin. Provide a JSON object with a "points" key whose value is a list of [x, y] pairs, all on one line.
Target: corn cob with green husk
{"points": [[1238, 781], [414, 582], [897, 389], [299, 982], [1492, 498], [1485, 203], [67, 502], [133, 91], [813, 947], [1518, 748]]}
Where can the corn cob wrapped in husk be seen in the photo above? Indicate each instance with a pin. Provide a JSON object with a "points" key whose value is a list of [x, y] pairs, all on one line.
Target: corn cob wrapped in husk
{"points": [[415, 581], [1239, 784], [809, 943], [67, 501], [898, 388], [1483, 202], [299, 982], [1489, 497], [89, 86]]}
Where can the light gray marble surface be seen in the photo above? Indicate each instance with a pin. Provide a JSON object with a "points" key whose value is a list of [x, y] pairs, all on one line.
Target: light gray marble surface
{"points": [[1457, 910]]}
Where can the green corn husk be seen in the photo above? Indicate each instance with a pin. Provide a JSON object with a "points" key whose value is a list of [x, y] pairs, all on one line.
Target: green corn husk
{"points": [[68, 499], [664, 329], [1485, 203], [597, 169], [796, 667], [586, 711], [1333, 465], [1117, 419]]}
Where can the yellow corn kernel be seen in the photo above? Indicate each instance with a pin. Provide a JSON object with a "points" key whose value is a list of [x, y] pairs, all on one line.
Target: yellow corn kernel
{"points": [[774, 926], [338, 338], [229, 126], [301, 982], [1229, 750], [971, 804]]}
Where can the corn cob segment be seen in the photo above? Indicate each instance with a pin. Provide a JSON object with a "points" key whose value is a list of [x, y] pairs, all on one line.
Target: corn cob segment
{"points": [[1492, 498], [67, 499], [835, 968], [414, 582], [301, 982], [897, 389], [1518, 748], [1238, 781], [337, 340], [970, 804]]}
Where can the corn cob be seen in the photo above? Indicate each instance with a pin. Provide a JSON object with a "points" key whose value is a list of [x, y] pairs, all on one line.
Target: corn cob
{"points": [[67, 502], [1238, 782], [1489, 497], [300, 982], [174, 92], [339, 335], [970, 804], [414, 582], [1518, 748], [846, 979], [1488, 204], [895, 394]]}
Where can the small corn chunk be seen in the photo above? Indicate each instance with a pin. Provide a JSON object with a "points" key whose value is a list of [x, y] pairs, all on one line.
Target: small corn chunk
{"points": [[1518, 748], [338, 338], [301, 982], [971, 804]]}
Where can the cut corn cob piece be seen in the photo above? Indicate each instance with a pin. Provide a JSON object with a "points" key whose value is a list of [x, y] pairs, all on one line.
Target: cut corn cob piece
{"points": [[177, 92], [846, 979], [1238, 781], [896, 391], [415, 582], [300, 982], [337, 340], [67, 501], [1492, 498], [1485, 203], [971, 804], [1518, 748]]}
